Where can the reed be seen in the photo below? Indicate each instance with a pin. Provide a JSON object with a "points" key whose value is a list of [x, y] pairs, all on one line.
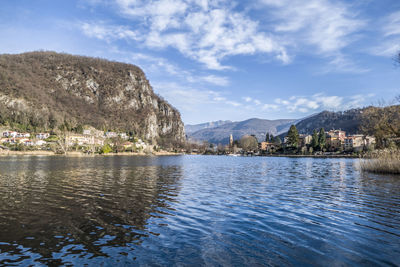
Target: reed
{"points": [[382, 161]]}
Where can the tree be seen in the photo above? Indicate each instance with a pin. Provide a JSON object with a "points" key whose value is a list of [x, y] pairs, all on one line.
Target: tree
{"points": [[293, 137], [248, 143], [314, 140], [321, 139], [267, 137], [105, 149], [382, 122], [277, 140]]}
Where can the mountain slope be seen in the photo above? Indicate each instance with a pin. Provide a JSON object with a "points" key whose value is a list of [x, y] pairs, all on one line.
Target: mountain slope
{"points": [[258, 127], [349, 121], [207, 125], [47, 90]]}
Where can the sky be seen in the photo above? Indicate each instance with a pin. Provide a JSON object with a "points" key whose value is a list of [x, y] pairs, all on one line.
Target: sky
{"points": [[228, 60]]}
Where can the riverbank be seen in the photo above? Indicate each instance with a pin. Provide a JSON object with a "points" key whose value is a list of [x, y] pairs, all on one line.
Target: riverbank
{"points": [[81, 154]]}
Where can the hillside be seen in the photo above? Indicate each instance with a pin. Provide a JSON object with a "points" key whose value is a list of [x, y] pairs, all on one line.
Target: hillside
{"points": [[349, 121], [258, 127], [48, 91]]}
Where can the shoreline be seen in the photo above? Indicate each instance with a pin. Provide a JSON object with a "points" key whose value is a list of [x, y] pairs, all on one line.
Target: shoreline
{"points": [[5, 153]]}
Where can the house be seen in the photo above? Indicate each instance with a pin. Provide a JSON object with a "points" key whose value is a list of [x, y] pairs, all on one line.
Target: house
{"points": [[336, 134], [87, 132], [28, 143], [369, 141], [111, 134], [79, 139], [335, 139], [124, 136], [267, 146], [354, 142], [42, 136], [10, 134], [127, 144], [40, 143], [304, 139], [334, 144], [23, 135]]}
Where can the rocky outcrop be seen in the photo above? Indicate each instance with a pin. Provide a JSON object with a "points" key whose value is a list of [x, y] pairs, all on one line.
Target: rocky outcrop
{"points": [[47, 90]]}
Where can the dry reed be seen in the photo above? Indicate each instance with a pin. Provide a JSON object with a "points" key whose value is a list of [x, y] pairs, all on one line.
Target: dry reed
{"points": [[382, 161]]}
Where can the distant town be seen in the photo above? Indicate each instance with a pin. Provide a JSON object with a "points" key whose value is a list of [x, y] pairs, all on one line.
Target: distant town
{"points": [[333, 142]]}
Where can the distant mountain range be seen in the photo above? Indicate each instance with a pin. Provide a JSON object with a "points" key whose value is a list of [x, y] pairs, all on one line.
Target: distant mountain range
{"points": [[196, 127], [219, 132]]}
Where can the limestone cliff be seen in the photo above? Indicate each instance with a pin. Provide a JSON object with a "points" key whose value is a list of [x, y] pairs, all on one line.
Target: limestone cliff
{"points": [[47, 90]]}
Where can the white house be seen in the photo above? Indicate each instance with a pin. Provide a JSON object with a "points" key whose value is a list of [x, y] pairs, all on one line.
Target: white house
{"points": [[40, 143], [10, 134], [111, 134], [42, 135], [23, 135], [87, 132]]}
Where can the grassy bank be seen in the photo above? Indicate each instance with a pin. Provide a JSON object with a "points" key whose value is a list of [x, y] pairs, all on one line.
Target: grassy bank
{"points": [[385, 161]]}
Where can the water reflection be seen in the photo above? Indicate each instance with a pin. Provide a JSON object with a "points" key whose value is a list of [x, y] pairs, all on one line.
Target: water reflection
{"points": [[196, 211], [56, 207]]}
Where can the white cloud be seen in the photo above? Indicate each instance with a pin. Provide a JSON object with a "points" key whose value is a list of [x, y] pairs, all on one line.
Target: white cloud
{"points": [[106, 32], [270, 107], [328, 25], [155, 64], [389, 45], [191, 99], [321, 101], [207, 32], [392, 26], [217, 80], [247, 99]]}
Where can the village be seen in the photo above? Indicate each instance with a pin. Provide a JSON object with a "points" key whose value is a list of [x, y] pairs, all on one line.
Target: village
{"points": [[89, 141], [334, 142]]}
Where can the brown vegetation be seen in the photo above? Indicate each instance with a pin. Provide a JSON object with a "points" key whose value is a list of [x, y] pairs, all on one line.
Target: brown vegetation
{"points": [[384, 161]]}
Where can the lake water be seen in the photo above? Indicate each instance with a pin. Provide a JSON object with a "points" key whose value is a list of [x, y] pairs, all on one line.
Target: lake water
{"points": [[196, 210]]}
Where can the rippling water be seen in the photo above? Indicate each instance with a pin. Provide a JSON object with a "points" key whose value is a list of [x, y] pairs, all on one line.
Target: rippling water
{"points": [[196, 210]]}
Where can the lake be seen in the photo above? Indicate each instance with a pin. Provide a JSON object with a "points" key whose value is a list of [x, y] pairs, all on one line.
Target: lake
{"points": [[196, 210]]}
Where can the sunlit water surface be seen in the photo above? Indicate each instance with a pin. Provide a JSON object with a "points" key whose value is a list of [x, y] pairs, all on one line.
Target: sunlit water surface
{"points": [[196, 210]]}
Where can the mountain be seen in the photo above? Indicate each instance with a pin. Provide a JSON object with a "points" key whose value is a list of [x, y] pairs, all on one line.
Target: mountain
{"points": [[258, 127], [41, 91], [349, 121], [362, 120], [196, 127]]}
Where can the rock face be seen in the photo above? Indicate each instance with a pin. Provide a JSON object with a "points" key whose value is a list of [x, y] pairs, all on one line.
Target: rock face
{"points": [[47, 90]]}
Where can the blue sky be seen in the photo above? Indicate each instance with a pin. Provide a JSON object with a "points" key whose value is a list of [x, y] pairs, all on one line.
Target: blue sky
{"points": [[229, 60]]}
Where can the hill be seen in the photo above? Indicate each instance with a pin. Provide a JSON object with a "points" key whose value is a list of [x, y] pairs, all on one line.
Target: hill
{"points": [[43, 91], [258, 127], [349, 121]]}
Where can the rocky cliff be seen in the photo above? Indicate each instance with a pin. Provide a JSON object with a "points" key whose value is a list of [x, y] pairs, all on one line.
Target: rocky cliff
{"points": [[47, 90]]}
